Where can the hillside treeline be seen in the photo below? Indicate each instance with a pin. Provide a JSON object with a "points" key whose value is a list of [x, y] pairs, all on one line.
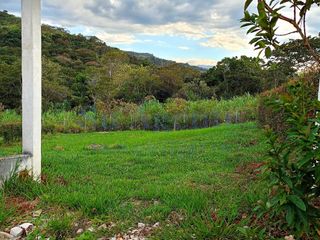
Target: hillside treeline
{"points": [[82, 72]]}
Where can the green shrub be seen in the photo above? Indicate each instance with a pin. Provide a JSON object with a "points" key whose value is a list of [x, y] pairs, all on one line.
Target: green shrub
{"points": [[150, 115], [49, 129], [272, 116], [72, 128], [90, 122], [9, 116], [11, 131], [267, 115], [294, 167]]}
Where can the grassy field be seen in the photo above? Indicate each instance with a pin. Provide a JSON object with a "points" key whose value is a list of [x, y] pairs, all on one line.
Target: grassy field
{"points": [[196, 183]]}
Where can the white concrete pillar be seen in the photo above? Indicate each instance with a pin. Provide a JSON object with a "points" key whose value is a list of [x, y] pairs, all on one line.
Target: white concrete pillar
{"points": [[319, 91], [31, 82]]}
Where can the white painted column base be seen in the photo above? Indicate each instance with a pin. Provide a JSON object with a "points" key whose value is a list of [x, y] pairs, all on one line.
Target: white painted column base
{"points": [[14, 165]]}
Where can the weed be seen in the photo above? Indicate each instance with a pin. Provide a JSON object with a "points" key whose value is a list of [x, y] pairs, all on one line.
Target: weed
{"points": [[60, 227], [22, 186]]}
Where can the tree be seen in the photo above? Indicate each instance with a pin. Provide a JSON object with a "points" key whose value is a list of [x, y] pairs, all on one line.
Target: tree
{"points": [[288, 60], [54, 92], [176, 107], [101, 77], [264, 23], [196, 89], [235, 76], [172, 78], [10, 84], [113, 59], [134, 83], [293, 57], [276, 74], [100, 84], [81, 92]]}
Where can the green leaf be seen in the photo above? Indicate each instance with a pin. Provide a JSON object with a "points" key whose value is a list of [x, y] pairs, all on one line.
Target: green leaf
{"points": [[290, 215], [246, 25], [274, 21], [247, 16], [252, 29], [288, 181], [261, 44], [268, 52], [298, 202], [247, 4], [317, 174], [307, 159], [254, 40], [303, 218]]}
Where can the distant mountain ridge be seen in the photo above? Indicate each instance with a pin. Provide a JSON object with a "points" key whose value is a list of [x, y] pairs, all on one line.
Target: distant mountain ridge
{"points": [[205, 67], [89, 46], [163, 62], [151, 58]]}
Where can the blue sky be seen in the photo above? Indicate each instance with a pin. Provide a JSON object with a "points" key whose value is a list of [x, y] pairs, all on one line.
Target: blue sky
{"points": [[198, 32]]}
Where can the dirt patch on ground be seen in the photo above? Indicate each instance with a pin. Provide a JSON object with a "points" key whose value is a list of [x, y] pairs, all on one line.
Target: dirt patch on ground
{"points": [[61, 181], [204, 187], [251, 169], [176, 218], [21, 204], [58, 148], [252, 142], [95, 147]]}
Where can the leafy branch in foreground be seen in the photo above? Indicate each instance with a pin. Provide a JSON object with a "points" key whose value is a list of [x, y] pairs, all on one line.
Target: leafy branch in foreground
{"points": [[295, 163], [264, 23]]}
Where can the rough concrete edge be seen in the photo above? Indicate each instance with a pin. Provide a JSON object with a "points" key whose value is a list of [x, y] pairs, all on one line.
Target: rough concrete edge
{"points": [[14, 164]]}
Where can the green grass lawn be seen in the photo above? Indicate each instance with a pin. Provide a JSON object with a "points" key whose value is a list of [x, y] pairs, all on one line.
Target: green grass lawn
{"points": [[189, 181]]}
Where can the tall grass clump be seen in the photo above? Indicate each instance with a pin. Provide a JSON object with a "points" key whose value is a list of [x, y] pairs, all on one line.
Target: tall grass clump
{"points": [[9, 116], [10, 126], [175, 114], [5, 211]]}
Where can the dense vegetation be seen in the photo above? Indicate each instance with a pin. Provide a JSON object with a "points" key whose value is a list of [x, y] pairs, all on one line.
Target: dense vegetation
{"points": [[290, 115], [80, 71], [175, 114], [293, 111], [83, 72]]}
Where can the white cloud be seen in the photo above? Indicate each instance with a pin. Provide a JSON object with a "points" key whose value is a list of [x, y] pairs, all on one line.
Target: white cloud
{"points": [[184, 48], [116, 38], [176, 29], [228, 40], [197, 61]]}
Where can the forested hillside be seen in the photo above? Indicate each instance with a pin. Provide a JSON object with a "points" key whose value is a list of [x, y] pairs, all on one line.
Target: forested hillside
{"points": [[82, 72]]}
